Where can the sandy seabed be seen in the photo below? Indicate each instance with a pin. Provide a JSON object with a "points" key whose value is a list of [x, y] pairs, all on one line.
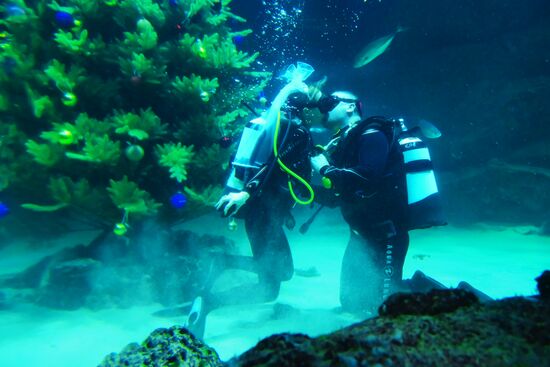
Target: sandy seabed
{"points": [[499, 261]]}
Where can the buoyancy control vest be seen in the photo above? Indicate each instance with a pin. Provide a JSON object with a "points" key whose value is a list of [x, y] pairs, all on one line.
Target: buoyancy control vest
{"points": [[424, 207], [254, 166]]}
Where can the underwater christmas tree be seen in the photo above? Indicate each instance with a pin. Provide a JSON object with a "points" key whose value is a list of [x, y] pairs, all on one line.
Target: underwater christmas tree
{"points": [[120, 109]]}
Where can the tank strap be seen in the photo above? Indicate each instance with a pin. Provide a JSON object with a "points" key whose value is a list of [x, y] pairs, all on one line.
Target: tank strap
{"points": [[418, 166]]}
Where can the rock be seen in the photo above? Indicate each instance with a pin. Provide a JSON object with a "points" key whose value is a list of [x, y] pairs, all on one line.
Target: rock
{"points": [[347, 361], [434, 302], [165, 347], [543, 285], [122, 285], [397, 337], [68, 284], [282, 350], [508, 332], [157, 265], [372, 340]]}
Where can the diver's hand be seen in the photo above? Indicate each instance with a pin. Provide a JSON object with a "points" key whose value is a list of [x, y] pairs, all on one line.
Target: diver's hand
{"points": [[318, 162], [314, 92], [232, 202]]}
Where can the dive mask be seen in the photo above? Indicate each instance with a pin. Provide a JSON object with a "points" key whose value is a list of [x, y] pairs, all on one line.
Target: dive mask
{"points": [[328, 103]]}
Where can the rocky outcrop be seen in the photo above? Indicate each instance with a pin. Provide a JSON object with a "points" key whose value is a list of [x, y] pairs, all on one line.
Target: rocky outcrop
{"points": [[154, 265], [439, 328], [166, 347], [543, 285], [434, 302]]}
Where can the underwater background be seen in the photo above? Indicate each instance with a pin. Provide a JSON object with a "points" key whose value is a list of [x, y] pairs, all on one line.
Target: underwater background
{"points": [[118, 120]]}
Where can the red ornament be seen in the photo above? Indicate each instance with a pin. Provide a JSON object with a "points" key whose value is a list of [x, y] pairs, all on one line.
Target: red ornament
{"points": [[136, 80], [226, 141]]}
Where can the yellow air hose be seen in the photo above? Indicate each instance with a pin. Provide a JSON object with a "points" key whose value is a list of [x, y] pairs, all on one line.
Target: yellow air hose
{"points": [[289, 171]]}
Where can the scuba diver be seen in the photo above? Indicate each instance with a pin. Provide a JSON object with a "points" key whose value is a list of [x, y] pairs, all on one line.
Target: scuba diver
{"points": [[269, 175], [380, 174]]}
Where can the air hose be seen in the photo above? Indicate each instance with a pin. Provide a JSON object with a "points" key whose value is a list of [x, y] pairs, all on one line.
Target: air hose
{"points": [[289, 171]]}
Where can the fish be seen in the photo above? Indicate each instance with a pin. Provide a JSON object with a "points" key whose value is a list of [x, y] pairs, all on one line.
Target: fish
{"points": [[375, 49], [428, 129]]}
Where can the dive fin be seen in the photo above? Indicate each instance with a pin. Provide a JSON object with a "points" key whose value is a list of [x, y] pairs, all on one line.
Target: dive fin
{"points": [[174, 311], [196, 320], [420, 282], [479, 294]]}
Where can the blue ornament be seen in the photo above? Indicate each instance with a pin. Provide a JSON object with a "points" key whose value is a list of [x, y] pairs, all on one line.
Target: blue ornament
{"points": [[178, 200], [14, 10], [8, 65], [238, 39], [173, 3], [4, 210], [64, 19]]}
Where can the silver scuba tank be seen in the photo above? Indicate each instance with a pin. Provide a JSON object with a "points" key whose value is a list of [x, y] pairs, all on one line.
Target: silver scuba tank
{"points": [[249, 138], [424, 201], [243, 163]]}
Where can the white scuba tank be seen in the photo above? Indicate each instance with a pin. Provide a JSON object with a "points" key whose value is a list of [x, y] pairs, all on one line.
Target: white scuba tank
{"points": [[424, 202], [242, 163], [249, 138], [420, 179]]}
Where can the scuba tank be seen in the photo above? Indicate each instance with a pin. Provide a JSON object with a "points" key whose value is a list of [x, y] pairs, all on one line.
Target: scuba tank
{"points": [[243, 162], [423, 199]]}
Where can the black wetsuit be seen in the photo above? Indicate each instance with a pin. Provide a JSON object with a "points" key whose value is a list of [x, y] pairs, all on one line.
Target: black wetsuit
{"points": [[264, 215], [367, 174]]}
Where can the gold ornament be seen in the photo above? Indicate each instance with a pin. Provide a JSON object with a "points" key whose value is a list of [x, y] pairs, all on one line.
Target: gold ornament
{"points": [[232, 225], [66, 137], [120, 229], [134, 153], [205, 96], [69, 99]]}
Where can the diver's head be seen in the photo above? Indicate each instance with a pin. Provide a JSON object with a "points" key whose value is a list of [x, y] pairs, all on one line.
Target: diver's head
{"points": [[301, 106], [340, 109]]}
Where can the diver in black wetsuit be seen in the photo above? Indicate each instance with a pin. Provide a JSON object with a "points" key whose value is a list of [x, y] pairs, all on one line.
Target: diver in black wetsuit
{"points": [[367, 175], [261, 190]]}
